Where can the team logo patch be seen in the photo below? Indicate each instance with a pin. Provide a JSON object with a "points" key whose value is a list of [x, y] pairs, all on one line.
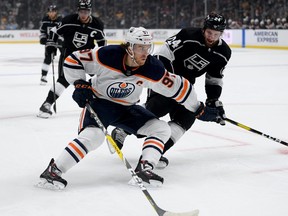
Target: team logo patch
{"points": [[195, 61], [80, 39], [120, 90]]}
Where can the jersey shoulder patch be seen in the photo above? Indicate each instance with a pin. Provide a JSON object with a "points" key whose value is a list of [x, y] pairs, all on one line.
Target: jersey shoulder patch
{"points": [[226, 49], [72, 18], [189, 33], [152, 69], [111, 56], [97, 23]]}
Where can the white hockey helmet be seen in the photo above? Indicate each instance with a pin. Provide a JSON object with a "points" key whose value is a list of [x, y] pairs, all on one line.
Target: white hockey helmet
{"points": [[138, 35]]}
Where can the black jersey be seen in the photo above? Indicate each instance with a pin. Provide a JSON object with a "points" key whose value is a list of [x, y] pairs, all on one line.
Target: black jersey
{"points": [[189, 57], [47, 24], [78, 35]]}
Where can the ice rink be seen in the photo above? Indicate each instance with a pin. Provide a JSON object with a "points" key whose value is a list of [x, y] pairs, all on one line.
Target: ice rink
{"points": [[220, 170]]}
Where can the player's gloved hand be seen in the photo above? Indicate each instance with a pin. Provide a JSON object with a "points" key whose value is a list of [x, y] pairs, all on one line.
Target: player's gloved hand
{"points": [[214, 103], [51, 47], [60, 42], [205, 113], [83, 93], [43, 40]]}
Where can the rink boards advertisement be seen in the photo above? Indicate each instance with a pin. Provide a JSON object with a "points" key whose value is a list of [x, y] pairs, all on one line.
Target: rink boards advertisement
{"points": [[260, 38]]}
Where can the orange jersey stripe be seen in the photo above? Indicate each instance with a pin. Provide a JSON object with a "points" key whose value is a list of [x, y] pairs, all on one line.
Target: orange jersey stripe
{"points": [[68, 59], [81, 119], [121, 101], [184, 91]]}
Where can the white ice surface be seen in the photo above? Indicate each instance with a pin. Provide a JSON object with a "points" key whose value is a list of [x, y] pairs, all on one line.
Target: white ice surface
{"points": [[222, 171]]}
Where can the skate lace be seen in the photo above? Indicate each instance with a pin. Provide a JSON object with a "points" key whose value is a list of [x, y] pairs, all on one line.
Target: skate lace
{"points": [[46, 106], [55, 171], [147, 168]]}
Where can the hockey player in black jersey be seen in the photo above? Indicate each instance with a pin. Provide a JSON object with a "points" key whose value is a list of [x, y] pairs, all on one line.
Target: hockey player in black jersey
{"points": [[80, 31], [50, 20], [191, 53]]}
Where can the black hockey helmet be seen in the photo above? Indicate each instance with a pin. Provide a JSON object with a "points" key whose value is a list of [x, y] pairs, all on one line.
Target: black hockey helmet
{"points": [[84, 5], [52, 8], [215, 21]]}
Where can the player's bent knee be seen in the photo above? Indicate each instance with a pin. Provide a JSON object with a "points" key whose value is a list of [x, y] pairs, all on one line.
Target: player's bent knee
{"points": [[156, 128], [91, 137]]}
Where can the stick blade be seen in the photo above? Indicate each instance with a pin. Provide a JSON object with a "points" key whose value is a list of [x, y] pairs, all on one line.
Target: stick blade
{"points": [[191, 213], [110, 147]]}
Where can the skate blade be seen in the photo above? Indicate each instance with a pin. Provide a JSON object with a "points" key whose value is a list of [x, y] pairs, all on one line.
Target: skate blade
{"points": [[43, 115], [161, 165], [55, 186], [110, 147], [153, 183]]}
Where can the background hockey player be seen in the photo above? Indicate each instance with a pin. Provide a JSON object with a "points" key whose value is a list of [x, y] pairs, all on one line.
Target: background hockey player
{"points": [[191, 53], [121, 74], [79, 31], [50, 20]]}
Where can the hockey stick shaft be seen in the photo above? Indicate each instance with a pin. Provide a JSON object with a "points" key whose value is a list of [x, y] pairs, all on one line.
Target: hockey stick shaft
{"points": [[138, 180], [54, 85], [256, 131], [121, 156]]}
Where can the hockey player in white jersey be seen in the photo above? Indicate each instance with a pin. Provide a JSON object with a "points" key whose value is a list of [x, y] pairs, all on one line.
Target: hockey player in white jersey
{"points": [[121, 72]]}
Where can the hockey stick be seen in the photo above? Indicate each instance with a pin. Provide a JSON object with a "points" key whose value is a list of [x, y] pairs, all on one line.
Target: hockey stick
{"points": [[256, 131], [138, 180], [54, 89]]}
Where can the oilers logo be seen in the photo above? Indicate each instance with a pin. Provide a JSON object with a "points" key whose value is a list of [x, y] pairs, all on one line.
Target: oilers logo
{"points": [[120, 90]]}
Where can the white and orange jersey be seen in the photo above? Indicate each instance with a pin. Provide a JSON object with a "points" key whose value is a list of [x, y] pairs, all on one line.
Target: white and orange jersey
{"points": [[110, 81]]}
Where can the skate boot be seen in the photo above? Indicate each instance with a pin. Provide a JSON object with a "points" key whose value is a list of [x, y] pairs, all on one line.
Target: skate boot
{"points": [[45, 111], [118, 136], [149, 178], [162, 163], [43, 80], [51, 178]]}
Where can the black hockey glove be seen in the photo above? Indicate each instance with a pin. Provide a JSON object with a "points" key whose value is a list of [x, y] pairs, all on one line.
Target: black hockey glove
{"points": [[83, 93], [51, 47], [216, 104], [205, 113], [43, 40]]}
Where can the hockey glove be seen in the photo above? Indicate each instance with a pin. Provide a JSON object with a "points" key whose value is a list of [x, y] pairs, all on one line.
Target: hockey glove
{"points": [[51, 47], [43, 40], [83, 93], [213, 103], [205, 113]]}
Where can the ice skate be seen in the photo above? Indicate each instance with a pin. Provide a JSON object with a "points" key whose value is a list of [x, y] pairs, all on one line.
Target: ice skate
{"points": [[43, 80], [118, 136], [149, 178], [51, 178], [162, 163], [45, 111]]}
